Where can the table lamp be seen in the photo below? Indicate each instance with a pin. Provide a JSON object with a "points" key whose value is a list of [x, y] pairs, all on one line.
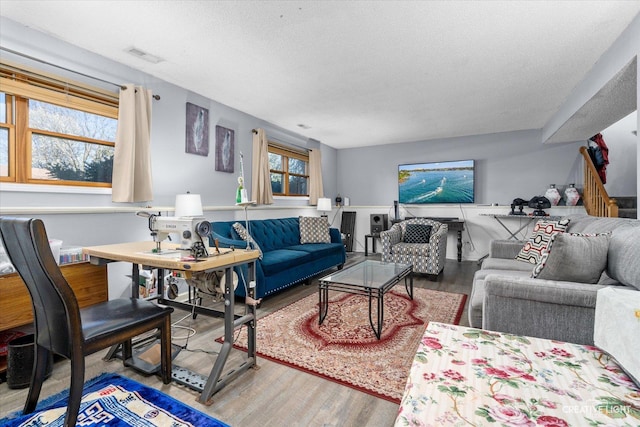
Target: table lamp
{"points": [[188, 205], [324, 205]]}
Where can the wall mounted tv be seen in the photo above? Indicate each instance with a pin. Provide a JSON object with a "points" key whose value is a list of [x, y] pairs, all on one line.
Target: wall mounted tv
{"points": [[436, 182]]}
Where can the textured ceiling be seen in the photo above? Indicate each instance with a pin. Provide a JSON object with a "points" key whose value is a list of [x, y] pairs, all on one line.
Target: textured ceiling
{"points": [[356, 73]]}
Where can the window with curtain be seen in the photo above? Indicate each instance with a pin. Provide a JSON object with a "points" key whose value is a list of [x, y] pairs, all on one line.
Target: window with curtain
{"points": [[289, 170], [54, 130]]}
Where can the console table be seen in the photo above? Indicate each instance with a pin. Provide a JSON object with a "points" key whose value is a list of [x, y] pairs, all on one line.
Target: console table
{"points": [[525, 220], [456, 225], [373, 238]]}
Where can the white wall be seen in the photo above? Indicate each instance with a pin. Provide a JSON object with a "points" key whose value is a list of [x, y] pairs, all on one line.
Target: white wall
{"points": [[623, 157], [508, 165]]}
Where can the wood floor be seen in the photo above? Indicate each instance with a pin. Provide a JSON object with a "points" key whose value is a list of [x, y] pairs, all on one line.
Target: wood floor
{"points": [[273, 394]]}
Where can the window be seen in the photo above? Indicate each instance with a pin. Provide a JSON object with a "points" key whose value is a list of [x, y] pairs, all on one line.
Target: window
{"points": [[289, 171], [54, 131]]}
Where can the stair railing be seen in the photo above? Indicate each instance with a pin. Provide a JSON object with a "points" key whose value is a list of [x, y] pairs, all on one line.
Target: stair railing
{"points": [[596, 199]]}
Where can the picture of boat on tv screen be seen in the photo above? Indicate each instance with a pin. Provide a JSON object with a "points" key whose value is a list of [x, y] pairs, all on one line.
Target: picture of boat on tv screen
{"points": [[438, 182]]}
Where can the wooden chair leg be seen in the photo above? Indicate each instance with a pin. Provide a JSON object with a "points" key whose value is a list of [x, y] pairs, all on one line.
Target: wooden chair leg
{"points": [[75, 391], [40, 361], [165, 350]]}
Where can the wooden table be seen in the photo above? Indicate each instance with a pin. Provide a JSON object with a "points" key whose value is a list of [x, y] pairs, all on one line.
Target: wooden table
{"points": [[373, 238], [142, 253], [89, 284], [456, 225]]}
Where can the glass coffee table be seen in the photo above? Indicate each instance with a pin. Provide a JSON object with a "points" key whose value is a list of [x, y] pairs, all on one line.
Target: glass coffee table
{"points": [[369, 278]]}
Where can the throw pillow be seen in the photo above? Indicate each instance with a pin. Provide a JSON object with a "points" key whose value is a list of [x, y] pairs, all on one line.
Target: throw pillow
{"points": [[314, 229], [574, 257], [417, 233], [537, 244], [242, 232]]}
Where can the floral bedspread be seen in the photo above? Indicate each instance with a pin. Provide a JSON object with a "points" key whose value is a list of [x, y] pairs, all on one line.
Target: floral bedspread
{"points": [[469, 377]]}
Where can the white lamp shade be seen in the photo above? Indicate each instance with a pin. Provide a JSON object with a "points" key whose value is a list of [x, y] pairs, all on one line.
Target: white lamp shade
{"points": [[188, 205], [324, 204]]}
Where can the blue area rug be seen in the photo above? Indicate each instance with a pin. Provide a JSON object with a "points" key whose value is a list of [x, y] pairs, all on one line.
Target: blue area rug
{"points": [[113, 400]]}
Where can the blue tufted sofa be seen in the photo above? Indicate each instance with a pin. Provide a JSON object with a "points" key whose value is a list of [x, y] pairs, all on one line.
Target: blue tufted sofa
{"points": [[285, 261]]}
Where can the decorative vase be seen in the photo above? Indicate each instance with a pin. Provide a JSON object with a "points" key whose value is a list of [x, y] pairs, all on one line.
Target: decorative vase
{"points": [[239, 190], [553, 195], [571, 195]]}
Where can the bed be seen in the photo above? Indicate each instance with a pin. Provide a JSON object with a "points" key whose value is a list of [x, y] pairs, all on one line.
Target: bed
{"points": [[463, 376]]}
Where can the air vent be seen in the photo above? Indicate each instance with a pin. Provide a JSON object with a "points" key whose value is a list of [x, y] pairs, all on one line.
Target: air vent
{"points": [[143, 55]]}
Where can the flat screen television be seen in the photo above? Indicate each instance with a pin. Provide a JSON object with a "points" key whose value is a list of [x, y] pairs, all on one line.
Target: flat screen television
{"points": [[436, 182]]}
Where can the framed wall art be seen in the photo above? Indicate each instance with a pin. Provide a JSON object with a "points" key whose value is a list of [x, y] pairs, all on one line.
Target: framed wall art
{"points": [[225, 140], [197, 130]]}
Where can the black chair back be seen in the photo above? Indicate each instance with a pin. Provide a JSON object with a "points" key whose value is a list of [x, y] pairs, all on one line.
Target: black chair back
{"points": [[54, 303]]}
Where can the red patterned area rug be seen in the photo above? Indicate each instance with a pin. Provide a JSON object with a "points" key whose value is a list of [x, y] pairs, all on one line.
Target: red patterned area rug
{"points": [[344, 348]]}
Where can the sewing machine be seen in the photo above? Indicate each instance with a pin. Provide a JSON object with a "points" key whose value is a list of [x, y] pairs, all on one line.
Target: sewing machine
{"points": [[192, 231]]}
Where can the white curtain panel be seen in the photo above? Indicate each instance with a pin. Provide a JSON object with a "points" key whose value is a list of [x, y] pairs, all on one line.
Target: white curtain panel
{"points": [[315, 177], [260, 176], [132, 181]]}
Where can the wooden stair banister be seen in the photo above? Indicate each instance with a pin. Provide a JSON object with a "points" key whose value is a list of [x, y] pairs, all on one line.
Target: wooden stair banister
{"points": [[595, 197]]}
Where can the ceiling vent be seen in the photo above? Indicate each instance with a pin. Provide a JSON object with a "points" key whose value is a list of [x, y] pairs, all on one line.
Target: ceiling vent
{"points": [[138, 53]]}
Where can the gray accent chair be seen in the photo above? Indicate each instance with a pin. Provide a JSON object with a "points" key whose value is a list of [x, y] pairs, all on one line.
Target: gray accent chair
{"points": [[506, 299], [427, 258]]}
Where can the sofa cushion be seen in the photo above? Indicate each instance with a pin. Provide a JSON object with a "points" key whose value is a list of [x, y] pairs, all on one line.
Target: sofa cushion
{"points": [[505, 264], [477, 293], [417, 233], [535, 247], [594, 224], [624, 248], [318, 250], [574, 257], [481, 274], [283, 259], [244, 235], [314, 229], [413, 249], [273, 234]]}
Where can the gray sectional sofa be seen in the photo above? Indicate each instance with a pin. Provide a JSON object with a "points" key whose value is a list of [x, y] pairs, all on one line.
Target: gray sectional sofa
{"points": [[506, 298]]}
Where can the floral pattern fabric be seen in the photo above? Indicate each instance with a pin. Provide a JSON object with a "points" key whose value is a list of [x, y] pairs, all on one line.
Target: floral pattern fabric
{"points": [[470, 377]]}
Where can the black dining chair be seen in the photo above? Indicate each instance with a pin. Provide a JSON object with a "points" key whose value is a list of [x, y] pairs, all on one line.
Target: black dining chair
{"points": [[62, 327]]}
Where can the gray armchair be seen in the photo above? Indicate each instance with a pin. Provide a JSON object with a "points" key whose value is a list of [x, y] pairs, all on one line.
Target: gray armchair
{"points": [[404, 243]]}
